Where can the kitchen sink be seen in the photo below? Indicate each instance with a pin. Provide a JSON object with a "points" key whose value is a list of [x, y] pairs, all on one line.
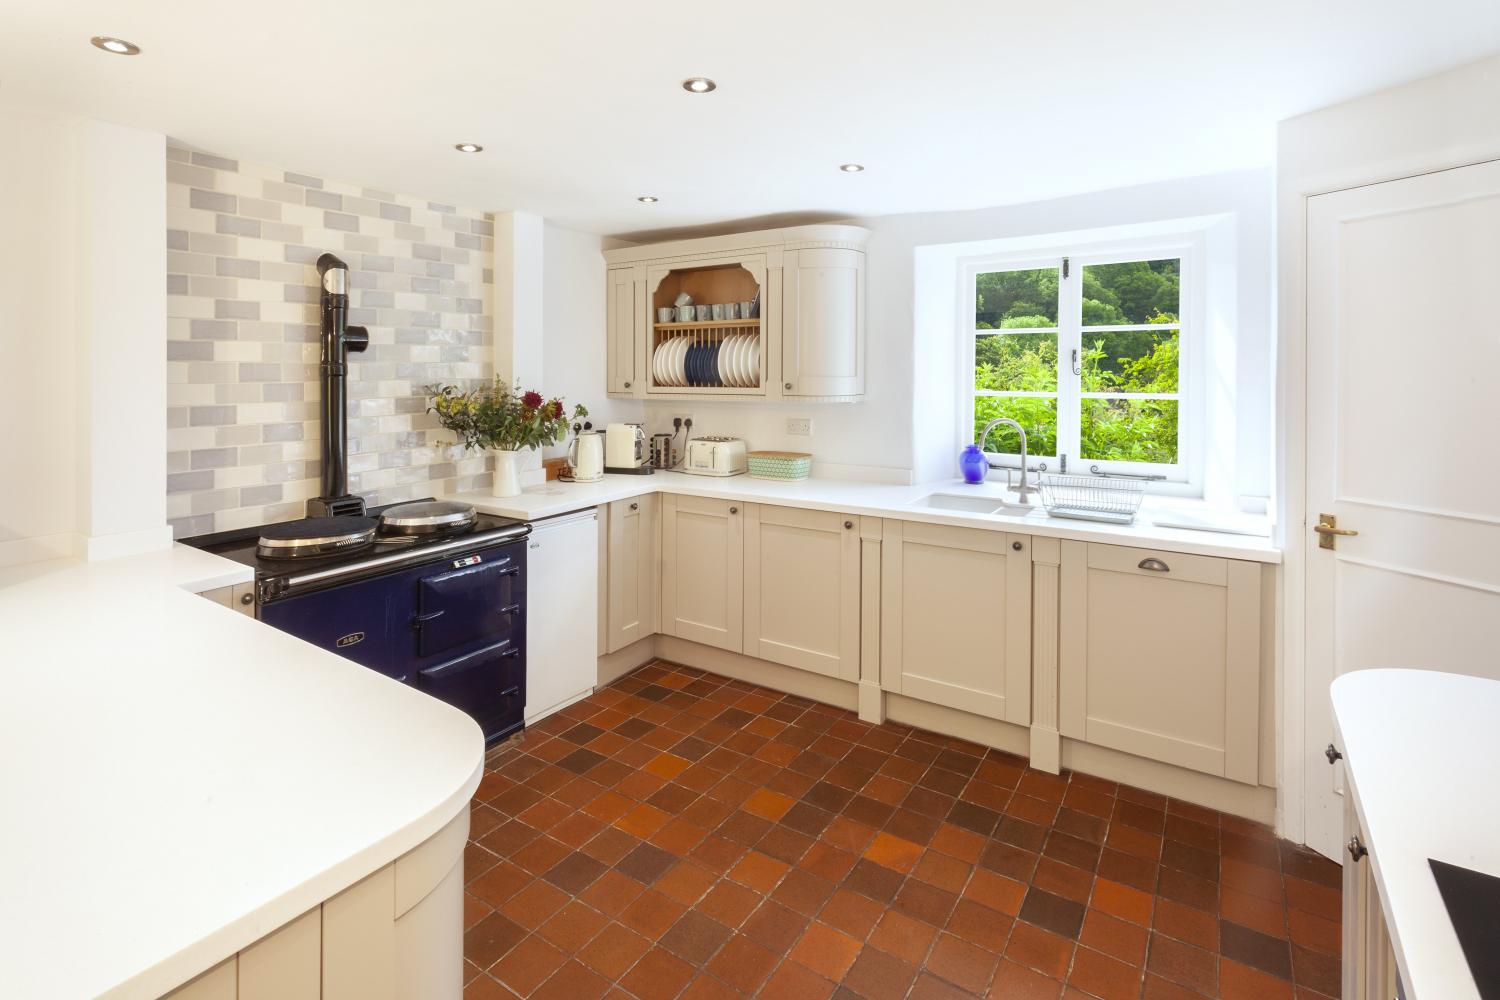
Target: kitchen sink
{"points": [[971, 504]]}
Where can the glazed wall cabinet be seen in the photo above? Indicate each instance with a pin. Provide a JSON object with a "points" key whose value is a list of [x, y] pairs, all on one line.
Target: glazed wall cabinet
{"points": [[955, 618], [804, 337], [634, 540], [1159, 656], [802, 589], [702, 570]]}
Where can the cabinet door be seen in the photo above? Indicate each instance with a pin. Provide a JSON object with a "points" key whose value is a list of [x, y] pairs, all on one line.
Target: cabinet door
{"points": [[955, 618], [702, 571], [802, 587], [823, 323], [632, 570], [626, 330], [1160, 656]]}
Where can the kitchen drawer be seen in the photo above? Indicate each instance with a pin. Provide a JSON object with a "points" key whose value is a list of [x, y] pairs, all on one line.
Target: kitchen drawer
{"points": [[490, 685], [1151, 563], [471, 604]]}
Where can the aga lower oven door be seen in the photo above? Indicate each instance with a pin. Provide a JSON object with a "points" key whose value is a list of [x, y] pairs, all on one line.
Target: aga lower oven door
{"points": [[489, 684]]}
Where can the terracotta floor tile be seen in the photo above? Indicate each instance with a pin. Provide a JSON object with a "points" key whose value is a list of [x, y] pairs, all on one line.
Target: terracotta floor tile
{"points": [[903, 936], [1114, 937], [680, 834], [1041, 950], [876, 975], [1104, 977], [657, 976], [825, 950], [797, 982], [962, 963]]}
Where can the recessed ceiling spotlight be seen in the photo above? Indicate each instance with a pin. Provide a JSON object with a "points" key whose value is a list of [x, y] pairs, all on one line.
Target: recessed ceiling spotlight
{"points": [[469, 147], [698, 85], [117, 46], [851, 168], [648, 199]]}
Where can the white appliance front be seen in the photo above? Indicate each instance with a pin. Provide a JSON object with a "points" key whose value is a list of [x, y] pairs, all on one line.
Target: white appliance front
{"points": [[562, 619]]}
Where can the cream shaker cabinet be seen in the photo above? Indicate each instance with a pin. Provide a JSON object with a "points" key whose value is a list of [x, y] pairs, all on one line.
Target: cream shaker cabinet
{"points": [[702, 570], [1369, 960], [1159, 656], [802, 589], [626, 330], [955, 618], [633, 529], [823, 323]]}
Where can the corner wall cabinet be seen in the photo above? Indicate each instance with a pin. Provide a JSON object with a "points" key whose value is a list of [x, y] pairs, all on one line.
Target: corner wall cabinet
{"points": [[1160, 656], [805, 338]]}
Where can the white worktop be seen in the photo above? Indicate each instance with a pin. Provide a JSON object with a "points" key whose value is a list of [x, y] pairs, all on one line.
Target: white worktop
{"points": [[180, 779], [884, 500], [1422, 758]]}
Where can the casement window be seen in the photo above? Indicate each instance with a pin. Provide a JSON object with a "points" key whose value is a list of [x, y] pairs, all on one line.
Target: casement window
{"points": [[1089, 352]]}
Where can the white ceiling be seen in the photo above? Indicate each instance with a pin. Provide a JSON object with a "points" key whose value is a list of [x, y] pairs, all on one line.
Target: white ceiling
{"points": [[950, 103]]}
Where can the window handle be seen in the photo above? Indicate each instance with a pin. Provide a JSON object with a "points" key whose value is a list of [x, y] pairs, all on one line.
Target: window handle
{"points": [[1077, 369]]}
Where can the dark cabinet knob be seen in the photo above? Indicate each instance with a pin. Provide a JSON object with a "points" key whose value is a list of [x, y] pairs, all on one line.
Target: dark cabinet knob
{"points": [[734, 510], [247, 599], [848, 525], [635, 506], [1356, 849], [627, 385], [788, 385], [1015, 546], [1332, 754]]}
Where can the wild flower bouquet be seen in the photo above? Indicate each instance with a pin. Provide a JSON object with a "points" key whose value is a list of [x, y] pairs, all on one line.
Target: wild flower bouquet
{"points": [[501, 416]]}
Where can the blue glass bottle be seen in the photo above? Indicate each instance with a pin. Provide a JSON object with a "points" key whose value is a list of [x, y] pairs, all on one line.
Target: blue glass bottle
{"points": [[973, 464]]}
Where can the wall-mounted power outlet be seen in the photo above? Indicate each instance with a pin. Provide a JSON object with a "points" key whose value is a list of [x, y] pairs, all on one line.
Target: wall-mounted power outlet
{"points": [[681, 419], [799, 426]]}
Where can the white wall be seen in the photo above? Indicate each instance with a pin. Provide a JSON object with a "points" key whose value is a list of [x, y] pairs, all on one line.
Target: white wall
{"points": [[82, 337], [906, 426], [1434, 123], [573, 360]]}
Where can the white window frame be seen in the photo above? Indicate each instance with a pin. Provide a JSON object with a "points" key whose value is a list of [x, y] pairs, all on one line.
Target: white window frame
{"points": [[1185, 477]]}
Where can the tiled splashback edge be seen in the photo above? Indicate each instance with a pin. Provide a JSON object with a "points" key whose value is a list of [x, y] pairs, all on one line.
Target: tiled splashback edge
{"points": [[242, 329]]}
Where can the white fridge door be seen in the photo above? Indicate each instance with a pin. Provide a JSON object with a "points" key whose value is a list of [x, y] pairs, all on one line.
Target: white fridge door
{"points": [[562, 615]]}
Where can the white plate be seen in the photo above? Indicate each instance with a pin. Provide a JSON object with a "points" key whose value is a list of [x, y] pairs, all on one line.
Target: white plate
{"points": [[668, 373], [656, 378], [752, 361], [679, 361], [728, 368]]}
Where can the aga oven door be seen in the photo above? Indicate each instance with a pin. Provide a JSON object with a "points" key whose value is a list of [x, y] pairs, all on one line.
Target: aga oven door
{"points": [[353, 621], [477, 600], [490, 685]]}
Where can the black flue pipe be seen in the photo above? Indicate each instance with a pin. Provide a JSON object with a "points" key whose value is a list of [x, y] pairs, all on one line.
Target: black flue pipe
{"points": [[337, 339]]}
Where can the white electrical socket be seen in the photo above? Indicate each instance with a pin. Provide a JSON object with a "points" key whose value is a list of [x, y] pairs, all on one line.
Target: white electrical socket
{"points": [[799, 426]]}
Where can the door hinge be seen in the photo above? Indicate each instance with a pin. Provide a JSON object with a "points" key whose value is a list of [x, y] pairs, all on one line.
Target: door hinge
{"points": [[1065, 267]]}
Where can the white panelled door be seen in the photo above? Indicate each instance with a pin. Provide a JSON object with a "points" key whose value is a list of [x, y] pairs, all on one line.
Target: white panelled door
{"points": [[1403, 410]]}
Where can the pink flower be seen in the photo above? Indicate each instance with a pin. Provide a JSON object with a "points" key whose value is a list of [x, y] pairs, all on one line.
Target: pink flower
{"points": [[557, 409], [533, 400]]}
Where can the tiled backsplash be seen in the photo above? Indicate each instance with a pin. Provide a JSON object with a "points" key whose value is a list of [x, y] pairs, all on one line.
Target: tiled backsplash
{"points": [[242, 351]]}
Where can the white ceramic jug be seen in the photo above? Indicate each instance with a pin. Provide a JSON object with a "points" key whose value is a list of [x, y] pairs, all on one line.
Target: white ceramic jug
{"points": [[586, 456]]}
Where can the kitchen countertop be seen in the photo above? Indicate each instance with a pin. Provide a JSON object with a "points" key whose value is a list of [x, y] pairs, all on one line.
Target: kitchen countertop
{"points": [[1422, 760], [883, 500], [180, 779]]}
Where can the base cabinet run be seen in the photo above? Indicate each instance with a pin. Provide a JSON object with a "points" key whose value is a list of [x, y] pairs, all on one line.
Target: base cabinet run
{"points": [[394, 935], [1159, 656]]}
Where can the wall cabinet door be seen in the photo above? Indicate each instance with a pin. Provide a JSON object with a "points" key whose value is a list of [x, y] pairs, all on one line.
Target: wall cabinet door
{"points": [[633, 580], [955, 618], [626, 330], [823, 323], [1160, 656], [802, 585], [702, 571]]}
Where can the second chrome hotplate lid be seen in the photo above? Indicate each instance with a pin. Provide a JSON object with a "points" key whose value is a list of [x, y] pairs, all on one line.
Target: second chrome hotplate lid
{"points": [[427, 517]]}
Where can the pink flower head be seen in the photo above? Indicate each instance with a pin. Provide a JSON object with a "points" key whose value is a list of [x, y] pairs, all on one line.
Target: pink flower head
{"points": [[557, 409], [533, 400]]}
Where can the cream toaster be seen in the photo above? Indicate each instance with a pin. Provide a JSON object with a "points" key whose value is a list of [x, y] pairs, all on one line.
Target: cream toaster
{"points": [[714, 456]]}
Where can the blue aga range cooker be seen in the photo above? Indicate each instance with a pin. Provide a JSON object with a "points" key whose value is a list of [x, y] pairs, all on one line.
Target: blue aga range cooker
{"points": [[429, 594]]}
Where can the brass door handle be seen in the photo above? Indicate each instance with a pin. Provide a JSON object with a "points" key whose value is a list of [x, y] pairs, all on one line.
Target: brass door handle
{"points": [[1328, 530]]}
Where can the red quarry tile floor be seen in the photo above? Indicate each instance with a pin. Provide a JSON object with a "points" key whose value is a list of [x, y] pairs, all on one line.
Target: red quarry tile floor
{"points": [[681, 834]]}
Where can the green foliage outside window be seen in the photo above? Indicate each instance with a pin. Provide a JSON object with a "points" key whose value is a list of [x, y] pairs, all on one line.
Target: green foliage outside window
{"points": [[1143, 361]]}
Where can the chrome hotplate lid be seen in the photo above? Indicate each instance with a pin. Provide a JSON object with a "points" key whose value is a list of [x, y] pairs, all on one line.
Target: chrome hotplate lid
{"points": [[427, 517], [315, 536]]}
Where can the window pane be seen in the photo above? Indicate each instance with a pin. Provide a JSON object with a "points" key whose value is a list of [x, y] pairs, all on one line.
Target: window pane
{"points": [[1016, 362], [1130, 361], [1037, 415], [1130, 430], [1137, 291], [1011, 299]]}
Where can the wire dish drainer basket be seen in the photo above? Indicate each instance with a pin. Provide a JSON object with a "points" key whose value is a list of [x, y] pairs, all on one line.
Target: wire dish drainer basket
{"points": [[1093, 498]]}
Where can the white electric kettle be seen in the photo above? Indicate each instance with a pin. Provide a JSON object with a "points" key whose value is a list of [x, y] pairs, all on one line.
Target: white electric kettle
{"points": [[586, 457]]}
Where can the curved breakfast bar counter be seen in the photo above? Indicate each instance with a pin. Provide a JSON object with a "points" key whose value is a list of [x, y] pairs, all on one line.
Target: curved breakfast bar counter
{"points": [[182, 781]]}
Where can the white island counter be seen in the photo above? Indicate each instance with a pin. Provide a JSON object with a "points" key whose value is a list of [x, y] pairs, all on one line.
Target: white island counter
{"points": [[180, 780]]}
